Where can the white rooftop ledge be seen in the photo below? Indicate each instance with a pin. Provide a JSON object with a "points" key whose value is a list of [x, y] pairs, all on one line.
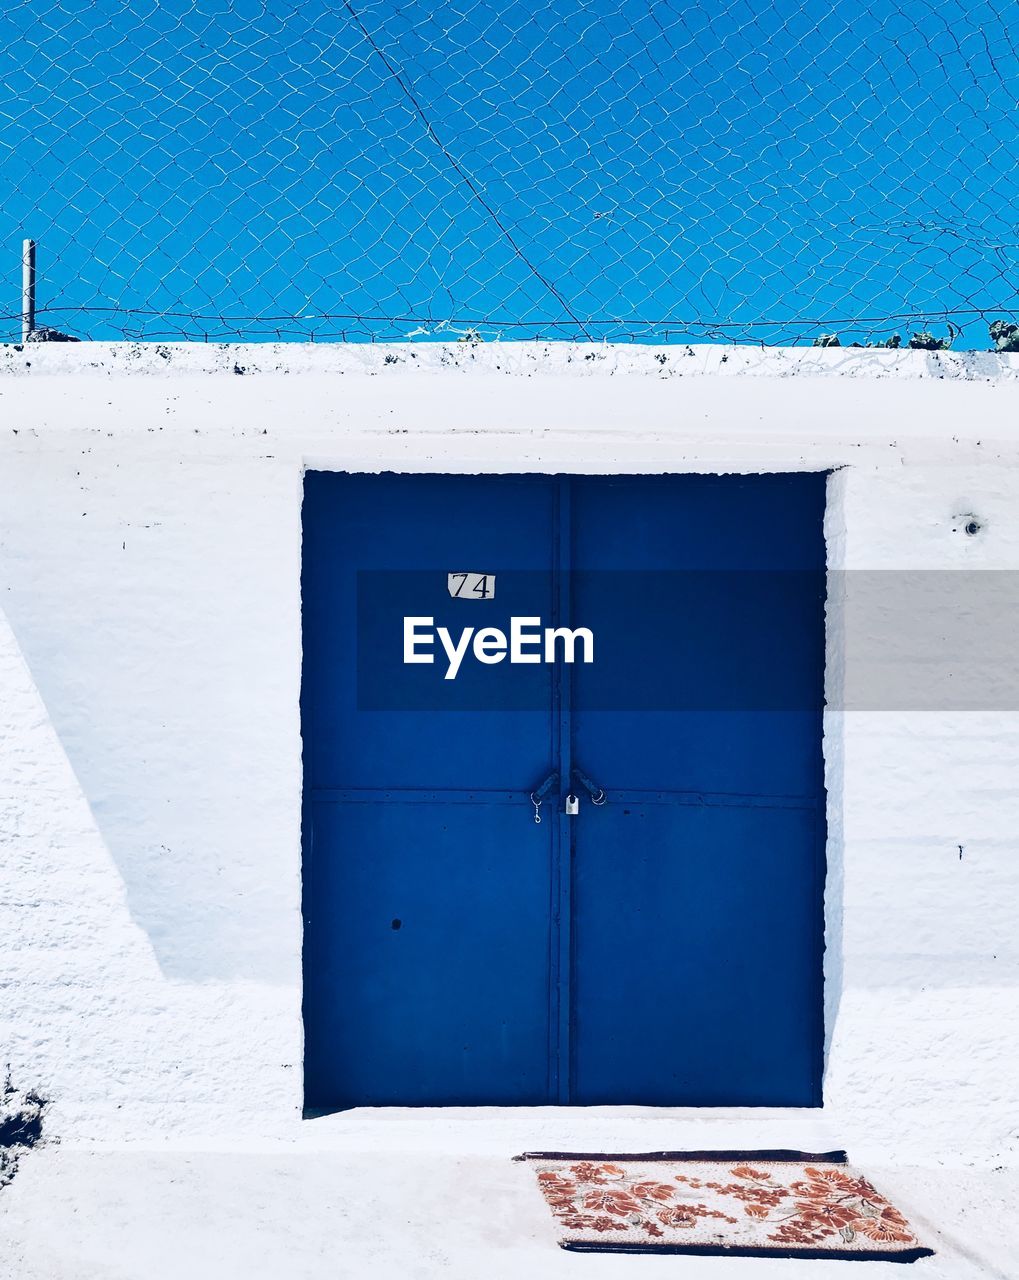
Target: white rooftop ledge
{"points": [[513, 359]]}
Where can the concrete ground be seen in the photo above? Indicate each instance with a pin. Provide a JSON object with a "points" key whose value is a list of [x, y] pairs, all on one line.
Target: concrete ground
{"points": [[393, 1194]]}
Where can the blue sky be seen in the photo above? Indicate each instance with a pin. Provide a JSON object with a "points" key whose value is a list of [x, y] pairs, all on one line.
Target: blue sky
{"points": [[745, 170]]}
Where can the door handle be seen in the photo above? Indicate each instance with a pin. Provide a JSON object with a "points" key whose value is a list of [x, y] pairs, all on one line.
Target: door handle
{"points": [[596, 793], [539, 794]]}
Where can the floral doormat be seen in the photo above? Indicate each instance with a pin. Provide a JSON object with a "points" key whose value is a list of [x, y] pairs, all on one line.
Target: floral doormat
{"points": [[752, 1204]]}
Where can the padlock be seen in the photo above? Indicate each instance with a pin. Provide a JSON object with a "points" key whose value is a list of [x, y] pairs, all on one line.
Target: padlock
{"points": [[572, 805]]}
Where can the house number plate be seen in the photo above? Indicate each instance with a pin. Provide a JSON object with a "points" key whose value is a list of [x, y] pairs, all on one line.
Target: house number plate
{"points": [[471, 586]]}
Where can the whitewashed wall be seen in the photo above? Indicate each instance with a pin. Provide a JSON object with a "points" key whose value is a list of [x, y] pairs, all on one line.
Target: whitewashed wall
{"points": [[150, 664]]}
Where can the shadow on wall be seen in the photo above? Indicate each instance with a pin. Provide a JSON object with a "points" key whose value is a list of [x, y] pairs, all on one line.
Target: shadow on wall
{"points": [[158, 616], [60, 881]]}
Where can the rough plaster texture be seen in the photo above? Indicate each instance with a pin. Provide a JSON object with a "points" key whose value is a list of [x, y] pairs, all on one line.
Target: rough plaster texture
{"points": [[150, 663]]}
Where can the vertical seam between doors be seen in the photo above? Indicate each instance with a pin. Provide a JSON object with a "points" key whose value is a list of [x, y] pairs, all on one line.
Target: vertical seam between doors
{"points": [[564, 828]]}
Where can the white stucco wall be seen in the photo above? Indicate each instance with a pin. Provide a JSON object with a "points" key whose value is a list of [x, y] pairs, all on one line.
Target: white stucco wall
{"points": [[150, 663]]}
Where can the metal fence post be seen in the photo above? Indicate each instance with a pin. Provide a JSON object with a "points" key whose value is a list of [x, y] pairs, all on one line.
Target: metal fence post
{"points": [[27, 288]]}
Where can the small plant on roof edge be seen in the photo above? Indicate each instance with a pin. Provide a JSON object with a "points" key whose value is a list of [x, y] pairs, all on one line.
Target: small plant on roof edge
{"points": [[832, 340], [928, 342], [1004, 335]]}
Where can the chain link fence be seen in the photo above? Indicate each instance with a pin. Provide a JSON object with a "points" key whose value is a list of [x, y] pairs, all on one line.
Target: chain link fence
{"points": [[647, 170]]}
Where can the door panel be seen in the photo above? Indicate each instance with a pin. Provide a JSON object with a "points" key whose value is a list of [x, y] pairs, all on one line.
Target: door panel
{"points": [[378, 548], [428, 938], [695, 936], [712, 589]]}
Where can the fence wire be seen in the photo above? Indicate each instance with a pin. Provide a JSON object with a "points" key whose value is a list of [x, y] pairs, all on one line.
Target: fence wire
{"points": [[745, 170]]}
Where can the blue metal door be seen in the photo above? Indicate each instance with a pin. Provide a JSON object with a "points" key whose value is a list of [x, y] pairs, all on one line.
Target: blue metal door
{"points": [[663, 944], [427, 951], [697, 917]]}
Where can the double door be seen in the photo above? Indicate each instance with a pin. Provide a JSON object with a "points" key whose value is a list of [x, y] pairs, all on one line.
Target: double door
{"points": [[656, 936]]}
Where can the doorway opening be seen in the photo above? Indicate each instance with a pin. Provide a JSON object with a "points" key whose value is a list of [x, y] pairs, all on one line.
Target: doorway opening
{"points": [[586, 881]]}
